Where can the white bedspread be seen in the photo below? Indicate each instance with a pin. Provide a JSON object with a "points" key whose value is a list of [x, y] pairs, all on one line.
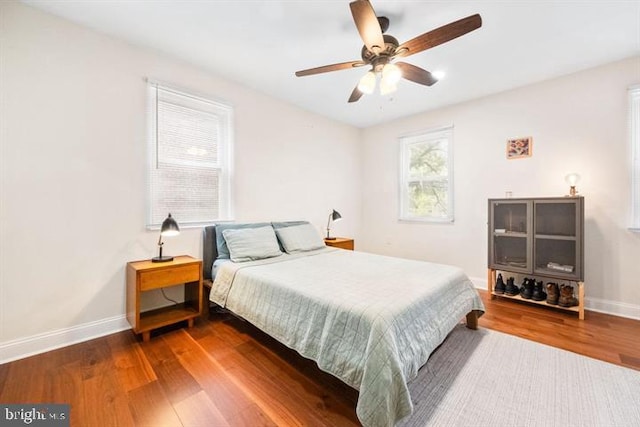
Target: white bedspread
{"points": [[370, 320]]}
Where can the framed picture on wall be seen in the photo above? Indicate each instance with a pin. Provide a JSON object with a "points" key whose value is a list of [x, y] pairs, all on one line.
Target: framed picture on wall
{"points": [[518, 148]]}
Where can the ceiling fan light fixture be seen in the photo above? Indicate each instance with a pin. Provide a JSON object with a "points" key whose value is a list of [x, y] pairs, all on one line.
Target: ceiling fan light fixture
{"points": [[367, 83], [439, 74], [387, 87], [391, 73]]}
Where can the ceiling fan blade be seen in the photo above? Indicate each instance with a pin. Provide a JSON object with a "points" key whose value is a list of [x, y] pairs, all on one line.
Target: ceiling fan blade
{"points": [[368, 26], [416, 74], [332, 67], [439, 35], [355, 95]]}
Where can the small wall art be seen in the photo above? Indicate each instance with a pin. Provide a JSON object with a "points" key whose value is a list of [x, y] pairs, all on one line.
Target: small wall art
{"points": [[518, 148]]}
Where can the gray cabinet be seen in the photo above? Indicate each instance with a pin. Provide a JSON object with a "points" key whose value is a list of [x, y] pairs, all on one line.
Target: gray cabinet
{"points": [[539, 237]]}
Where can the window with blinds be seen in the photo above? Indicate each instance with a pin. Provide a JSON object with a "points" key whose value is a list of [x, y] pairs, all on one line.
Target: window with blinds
{"points": [[634, 129], [189, 158], [426, 176]]}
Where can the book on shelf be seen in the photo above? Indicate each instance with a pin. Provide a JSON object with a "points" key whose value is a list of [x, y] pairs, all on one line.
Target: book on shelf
{"points": [[560, 267]]}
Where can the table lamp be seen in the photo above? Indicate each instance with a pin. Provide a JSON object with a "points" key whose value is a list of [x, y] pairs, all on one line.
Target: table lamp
{"points": [[572, 179], [169, 228], [335, 216]]}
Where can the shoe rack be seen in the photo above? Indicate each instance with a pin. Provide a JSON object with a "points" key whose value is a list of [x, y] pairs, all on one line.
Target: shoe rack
{"points": [[541, 238], [578, 290]]}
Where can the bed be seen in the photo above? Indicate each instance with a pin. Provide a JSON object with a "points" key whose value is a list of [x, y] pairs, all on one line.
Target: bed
{"points": [[370, 320]]}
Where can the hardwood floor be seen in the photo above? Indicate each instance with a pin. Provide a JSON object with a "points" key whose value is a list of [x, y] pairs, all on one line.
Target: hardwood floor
{"points": [[224, 372], [600, 336]]}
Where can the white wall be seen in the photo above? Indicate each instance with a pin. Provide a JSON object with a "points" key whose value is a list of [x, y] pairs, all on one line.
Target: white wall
{"points": [[72, 134], [578, 123]]}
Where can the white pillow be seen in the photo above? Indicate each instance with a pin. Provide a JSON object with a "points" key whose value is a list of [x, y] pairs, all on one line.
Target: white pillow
{"points": [[299, 238], [248, 244]]}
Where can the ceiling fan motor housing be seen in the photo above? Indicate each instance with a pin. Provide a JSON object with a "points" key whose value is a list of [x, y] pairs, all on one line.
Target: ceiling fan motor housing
{"points": [[380, 59]]}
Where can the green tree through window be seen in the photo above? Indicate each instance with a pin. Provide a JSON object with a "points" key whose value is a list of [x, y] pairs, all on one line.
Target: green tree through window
{"points": [[426, 176]]}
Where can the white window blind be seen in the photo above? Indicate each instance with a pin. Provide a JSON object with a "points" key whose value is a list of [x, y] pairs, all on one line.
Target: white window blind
{"points": [[190, 140], [426, 176], [634, 129]]}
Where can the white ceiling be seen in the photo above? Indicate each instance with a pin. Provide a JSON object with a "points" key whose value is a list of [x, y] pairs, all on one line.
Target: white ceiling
{"points": [[260, 44]]}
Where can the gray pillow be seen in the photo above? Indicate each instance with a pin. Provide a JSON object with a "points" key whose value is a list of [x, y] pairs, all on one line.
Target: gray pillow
{"points": [[221, 244], [283, 224], [299, 238], [249, 244]]}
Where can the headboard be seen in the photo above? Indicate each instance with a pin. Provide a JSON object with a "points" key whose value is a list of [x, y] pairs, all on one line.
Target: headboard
{"points": [[209, 250]]}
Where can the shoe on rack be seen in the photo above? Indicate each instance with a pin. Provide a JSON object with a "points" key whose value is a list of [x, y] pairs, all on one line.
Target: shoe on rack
{"points": [[522, 288], [567, 299], [500, 286], [538, 293], [526, 290], [511, 289], [553, 293]]}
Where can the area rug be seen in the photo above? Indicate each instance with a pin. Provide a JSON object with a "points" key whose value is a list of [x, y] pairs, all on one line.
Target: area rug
{"points": [[487, 378]]}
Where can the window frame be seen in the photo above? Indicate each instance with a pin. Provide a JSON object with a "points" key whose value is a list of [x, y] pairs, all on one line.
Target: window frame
{"points": [[405, 142], [634, 138], [224, 113]]}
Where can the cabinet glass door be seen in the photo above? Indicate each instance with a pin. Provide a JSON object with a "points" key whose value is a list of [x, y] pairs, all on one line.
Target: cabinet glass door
{"points": [[509, 230], [557, 238]]}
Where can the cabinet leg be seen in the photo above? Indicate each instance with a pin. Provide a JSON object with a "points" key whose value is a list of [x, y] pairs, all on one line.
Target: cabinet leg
{"points": [[146, 336], [491, 279], [581, 300], [190, 321]]}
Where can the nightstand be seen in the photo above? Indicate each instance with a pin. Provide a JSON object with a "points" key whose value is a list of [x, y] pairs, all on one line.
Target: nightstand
{"points": [[143, 276], [340, 242]]}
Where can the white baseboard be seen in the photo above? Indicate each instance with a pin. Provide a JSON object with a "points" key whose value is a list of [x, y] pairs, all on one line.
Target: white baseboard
{"points": [[25, 347], [614, 308]]}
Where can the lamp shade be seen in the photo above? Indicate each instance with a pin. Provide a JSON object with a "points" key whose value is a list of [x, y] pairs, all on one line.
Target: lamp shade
{"points": [[391, 74], [387, 87], [367, 83], [169, 227], [335, 215], [572, 179]]}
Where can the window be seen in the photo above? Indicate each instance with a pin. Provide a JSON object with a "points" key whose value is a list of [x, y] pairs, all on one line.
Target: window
{"points": [[426, 176], [190, 140], [634, 129]]}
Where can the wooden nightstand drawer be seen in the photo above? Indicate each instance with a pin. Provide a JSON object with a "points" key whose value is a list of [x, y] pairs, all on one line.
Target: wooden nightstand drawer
{"points": [[154, 279]]}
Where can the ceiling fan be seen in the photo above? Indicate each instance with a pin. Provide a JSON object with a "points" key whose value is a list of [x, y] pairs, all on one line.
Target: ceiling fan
{"points": [[381, 50]]}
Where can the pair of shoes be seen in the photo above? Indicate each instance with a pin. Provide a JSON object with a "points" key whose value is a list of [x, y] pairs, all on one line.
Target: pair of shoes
{"points": [[567, 299], [511, 289], [526, 290], [499, 288], [553, 293], [538, 293]]}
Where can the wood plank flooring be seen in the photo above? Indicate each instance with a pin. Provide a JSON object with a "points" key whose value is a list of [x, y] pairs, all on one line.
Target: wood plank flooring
{"points": [[224, 372]]}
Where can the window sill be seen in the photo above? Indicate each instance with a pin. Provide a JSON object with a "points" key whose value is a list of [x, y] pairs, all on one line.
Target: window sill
{"points": [[427, 220]]}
